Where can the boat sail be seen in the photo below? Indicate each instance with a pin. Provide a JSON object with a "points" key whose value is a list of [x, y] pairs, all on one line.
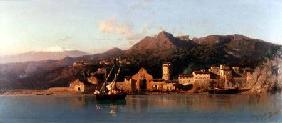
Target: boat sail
{"points": [[110, 91]]}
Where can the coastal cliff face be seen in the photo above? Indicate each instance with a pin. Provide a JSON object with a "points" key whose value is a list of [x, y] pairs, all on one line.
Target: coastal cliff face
{"points": [[185, 55]]}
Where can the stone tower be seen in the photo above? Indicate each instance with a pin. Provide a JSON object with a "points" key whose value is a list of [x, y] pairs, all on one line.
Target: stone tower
{"points": [[166, 71]]}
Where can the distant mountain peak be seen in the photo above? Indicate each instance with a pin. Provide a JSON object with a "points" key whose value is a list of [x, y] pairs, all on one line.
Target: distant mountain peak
{"points": [[115, 48], [114, 51], [164, 34], [162, 41], [54, 54]]}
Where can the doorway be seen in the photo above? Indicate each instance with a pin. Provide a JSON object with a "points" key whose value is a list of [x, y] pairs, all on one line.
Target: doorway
{"points": [[143, 84], [78, 89]]}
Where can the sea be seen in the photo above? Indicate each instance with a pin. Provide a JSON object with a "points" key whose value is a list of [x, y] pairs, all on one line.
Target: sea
{"points": [[166, 108]]}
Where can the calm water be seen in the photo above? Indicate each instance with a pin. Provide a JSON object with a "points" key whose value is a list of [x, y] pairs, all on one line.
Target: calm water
{"points": [[142, 109]]}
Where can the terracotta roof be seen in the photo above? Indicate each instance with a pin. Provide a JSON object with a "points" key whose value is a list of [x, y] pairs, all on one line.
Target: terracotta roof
{"points": [[201, 72]]}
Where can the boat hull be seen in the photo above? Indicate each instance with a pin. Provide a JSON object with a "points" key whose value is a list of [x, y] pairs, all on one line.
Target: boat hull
{"points": [[224, 91], [110, 96]]}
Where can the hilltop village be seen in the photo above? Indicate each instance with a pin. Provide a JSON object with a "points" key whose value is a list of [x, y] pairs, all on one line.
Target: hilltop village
{"points": [[222, 76]]}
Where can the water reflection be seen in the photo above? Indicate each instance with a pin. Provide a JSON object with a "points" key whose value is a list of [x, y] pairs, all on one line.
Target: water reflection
{"points": [[262, 106], [205, 103], [147, 108], [111, 106], [258, 107]]}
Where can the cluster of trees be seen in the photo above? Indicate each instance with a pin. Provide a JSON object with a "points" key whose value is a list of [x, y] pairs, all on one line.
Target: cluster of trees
{"points": [[267, 76]]}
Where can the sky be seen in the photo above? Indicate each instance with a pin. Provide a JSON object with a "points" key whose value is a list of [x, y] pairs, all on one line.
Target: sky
{"points": [[97, 25]]}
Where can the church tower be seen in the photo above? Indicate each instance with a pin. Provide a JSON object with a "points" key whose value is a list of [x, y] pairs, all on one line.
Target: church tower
{"points": [[166, 71]]}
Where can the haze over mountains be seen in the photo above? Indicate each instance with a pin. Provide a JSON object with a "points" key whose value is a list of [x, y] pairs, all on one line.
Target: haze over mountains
{"points": [[184, 53], [42, 55]]}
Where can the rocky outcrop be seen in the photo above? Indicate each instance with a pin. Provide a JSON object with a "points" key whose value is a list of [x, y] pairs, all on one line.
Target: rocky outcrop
{"points": [[267, 77]]}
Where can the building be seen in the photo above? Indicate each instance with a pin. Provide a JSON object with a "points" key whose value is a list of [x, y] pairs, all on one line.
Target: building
{"points": [[142, 81], [162, 85], [196, 76], [80, 63], [215, 70], [166, 71], [185, 79], [201, 75], [139, 82], [223, 76], [225, 71], [82, 86], [157, 84]]}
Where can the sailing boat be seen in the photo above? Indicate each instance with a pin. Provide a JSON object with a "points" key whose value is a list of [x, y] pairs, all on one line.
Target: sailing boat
{"points": [[110, 91]]}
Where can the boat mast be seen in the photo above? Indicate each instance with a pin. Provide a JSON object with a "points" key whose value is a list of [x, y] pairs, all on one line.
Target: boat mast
{"points": [[103, 88], [114, 80]]}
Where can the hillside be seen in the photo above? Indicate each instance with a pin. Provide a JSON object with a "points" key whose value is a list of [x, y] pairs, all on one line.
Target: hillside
{"points": [[197, 53], [185, 55]]}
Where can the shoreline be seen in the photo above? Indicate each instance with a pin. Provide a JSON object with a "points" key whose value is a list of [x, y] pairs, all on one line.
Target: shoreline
{"points": [[52, 92]]}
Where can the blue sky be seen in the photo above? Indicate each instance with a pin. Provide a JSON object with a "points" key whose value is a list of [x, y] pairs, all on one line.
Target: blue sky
{"points": [[98, 25]]}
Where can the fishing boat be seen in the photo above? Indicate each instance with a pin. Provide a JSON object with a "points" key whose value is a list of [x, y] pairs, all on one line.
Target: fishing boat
{"points": [[224, 91], [119, 96], [110, 91]]}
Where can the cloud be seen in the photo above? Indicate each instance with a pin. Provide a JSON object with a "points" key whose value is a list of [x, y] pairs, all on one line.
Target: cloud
{"points": [[65, 39], [115, 27], [55, 49], [125, 30]]}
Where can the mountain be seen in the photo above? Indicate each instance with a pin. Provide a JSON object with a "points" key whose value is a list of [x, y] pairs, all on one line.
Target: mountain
{"points": [[162, 41], [184, 53], [113, 52], [160, 46], [198, 53], [42, 55], [229, 47]]}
